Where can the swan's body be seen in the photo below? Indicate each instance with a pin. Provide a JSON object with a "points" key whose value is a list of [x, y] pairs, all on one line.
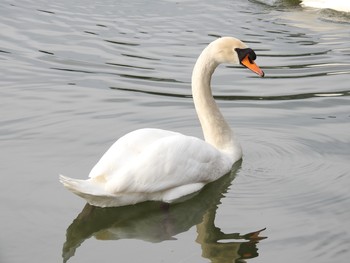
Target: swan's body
{"points": [[339, 5], [155, 164]]}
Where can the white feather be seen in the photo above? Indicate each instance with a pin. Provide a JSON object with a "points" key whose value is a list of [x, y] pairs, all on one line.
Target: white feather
{"points": [[339, 5]]}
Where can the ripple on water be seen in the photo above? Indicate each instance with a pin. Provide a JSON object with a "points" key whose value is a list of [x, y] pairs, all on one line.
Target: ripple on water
{"points": [[281, 168], [295, 178]]}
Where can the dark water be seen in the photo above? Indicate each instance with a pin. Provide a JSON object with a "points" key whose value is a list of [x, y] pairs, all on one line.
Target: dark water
{"points": [[76, 75]]}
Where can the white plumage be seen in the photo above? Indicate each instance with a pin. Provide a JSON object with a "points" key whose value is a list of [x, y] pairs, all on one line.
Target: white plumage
{"points": [[339, 5], [155, 164]]}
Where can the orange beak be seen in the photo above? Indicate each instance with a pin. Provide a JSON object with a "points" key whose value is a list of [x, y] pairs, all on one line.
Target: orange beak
{"points": [[248, 63]]}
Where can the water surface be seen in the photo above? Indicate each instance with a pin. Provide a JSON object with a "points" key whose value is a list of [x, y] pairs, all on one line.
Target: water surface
{"points": [[75, 76]]}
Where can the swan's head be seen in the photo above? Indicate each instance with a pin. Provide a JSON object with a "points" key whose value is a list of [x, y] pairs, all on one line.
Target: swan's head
{"points": [[233, 51]]}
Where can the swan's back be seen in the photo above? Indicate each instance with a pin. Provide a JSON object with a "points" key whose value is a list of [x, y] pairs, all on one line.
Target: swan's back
{"points": [[126, 149], [163, 166], [163, 161]]}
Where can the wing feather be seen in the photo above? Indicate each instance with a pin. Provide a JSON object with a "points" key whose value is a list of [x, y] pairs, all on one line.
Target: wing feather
{"points": [[126, 149], [169, 162]]}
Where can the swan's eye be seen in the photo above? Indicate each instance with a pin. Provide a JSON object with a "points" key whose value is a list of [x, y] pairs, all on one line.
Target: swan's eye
{"points": [[252, 56], [243, 52]]}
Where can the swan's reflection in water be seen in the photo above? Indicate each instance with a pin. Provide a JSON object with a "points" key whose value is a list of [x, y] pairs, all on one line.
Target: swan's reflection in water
{"points": [[156, 222]]}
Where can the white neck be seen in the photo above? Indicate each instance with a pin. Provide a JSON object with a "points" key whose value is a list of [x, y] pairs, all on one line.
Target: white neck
{"points": [[216, 130]]}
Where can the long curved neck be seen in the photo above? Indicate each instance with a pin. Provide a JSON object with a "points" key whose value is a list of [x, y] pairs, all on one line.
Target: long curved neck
{"points": [[215, 129]]}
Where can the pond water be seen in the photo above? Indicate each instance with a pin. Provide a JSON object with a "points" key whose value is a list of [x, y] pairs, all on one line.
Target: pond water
{"points": [[77, 75]]}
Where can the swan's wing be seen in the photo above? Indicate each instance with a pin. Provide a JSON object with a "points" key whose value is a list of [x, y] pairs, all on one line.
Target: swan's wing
{"points": [[169, 162], [125, 150]]}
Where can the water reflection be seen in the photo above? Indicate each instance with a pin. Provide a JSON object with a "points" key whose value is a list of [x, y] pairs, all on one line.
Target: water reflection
{"points": [[157, 222]]}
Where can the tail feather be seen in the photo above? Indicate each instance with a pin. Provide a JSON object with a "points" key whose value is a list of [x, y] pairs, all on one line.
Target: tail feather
{"points": [[80, 186], [95, 194]]}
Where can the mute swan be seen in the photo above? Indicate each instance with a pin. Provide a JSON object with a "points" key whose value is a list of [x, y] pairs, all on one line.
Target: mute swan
{"points": [[161, 165], [338, 5]]}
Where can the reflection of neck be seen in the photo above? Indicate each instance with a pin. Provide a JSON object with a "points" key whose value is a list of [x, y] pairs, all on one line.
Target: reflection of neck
{"points": [[219, 247], [209, 237], [215, 129]]}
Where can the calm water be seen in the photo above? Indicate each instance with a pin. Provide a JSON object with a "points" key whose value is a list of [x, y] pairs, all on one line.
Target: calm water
{"points": [[76, 75]]}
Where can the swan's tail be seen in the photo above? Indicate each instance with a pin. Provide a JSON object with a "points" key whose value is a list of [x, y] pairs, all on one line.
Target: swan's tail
{"points": [[93, 193], [81, 186]]}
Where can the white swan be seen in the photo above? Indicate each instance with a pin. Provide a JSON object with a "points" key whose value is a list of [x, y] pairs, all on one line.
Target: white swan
{"points": [[154, 164], [338, 5]]}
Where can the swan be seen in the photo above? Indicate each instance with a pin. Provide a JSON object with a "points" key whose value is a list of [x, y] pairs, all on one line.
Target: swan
{"points": [[160, 165], [338, 5]]}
